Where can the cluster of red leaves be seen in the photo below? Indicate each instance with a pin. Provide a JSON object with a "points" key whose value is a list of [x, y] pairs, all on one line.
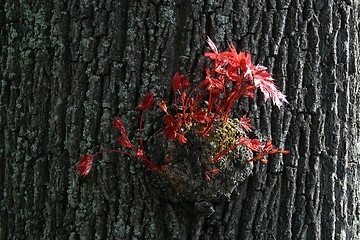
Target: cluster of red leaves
{"points": [[231, 77]]}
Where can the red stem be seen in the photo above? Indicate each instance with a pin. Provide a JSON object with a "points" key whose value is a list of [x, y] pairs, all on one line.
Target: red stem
{"points": [[212, 121], [176, 107], [140, 130], [150, 165], [220, 154]]}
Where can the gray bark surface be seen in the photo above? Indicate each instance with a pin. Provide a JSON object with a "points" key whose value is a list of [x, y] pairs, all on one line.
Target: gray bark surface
{"points": [[69, 68]]}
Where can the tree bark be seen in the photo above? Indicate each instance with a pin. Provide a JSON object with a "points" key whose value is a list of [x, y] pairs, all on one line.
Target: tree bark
{"points": [[69, 68]]}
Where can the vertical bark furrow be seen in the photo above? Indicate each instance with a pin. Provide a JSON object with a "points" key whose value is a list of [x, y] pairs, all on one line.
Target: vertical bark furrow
{"points": [[343, 104], [10, 74], [351, 69], [330, 29], [354, 119], [4, 100]]}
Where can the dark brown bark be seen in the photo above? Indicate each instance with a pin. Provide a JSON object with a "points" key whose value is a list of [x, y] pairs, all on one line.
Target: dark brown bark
{"points": [[68, 68]]}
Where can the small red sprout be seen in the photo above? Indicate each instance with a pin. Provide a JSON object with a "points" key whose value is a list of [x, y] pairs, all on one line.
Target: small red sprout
{"points": [[268, 148], [162, 105], [245, 124], [147, 102], [85, 164], [207, 173]]}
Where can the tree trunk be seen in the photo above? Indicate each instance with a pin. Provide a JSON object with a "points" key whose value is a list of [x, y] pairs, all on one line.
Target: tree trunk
{"points": [[69, 68]]}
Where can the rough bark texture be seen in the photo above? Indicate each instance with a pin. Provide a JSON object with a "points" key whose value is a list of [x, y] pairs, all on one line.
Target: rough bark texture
{"points": [[68, 68]]}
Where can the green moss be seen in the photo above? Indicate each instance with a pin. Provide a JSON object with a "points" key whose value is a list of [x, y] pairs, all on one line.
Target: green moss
{"points": [[224, 135]]}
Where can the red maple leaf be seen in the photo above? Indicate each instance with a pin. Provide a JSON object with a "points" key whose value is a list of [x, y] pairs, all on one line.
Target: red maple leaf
{"points": [[245, 123], [180, 81], [215, 54], [267, 149], [254, 144], [200, 116], [264, 81], [218, 58], [162, 105], [85, 164], [212, 84], [169, 120], [125, 142], [119, 125], [241, 59], [207, 173], [170, 132], [182, 139], [146, 102]]}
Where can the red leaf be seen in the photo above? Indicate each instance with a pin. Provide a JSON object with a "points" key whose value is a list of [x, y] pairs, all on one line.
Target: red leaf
{"points": [[207, 177], [250, 94], [212, 84], [162, 106], [185, 83], [214, 171], [284, 151], [264, 81], [147, 101], [264, 161], [120, 126], [220, 60], [177, 81], [242, 60], [180, 81], [268, 146], [212, 45], [125, 142], [183, 97], [254, 144], [200, 116], [168, 119], [85, 164], [170, 132], [182, 139], [245, 123]]}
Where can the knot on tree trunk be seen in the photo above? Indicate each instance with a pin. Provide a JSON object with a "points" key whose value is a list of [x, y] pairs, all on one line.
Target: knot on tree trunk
{"points": [[195, 172]]}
